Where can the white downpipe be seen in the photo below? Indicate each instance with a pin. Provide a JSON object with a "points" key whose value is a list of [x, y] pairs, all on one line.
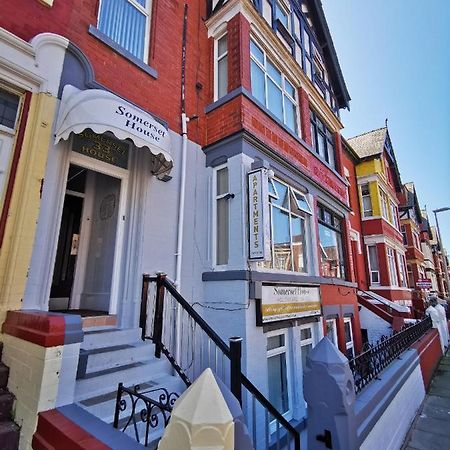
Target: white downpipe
{"points": [[179, 252]]}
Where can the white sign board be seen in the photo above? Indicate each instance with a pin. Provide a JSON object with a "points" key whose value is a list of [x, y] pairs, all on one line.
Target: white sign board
{"points": [[282, 302], [258, 215]]}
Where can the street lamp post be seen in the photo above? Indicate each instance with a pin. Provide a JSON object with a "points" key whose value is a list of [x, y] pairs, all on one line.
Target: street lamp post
{"points": [[436, 211]]}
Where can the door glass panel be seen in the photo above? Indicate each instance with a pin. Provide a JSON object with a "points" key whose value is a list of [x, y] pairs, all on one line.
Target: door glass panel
{"points": [[102, 241], [278, 391]]}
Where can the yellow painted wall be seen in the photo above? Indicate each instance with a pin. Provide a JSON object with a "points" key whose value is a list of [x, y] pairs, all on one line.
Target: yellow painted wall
{"points": [[15, 253], [370, 167]]}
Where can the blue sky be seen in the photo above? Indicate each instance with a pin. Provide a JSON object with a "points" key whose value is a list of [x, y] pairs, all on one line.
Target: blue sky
{"points": [[395, 57]]}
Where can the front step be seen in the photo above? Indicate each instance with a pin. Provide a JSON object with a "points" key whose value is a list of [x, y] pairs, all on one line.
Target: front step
{"points": [[112, 356], [111, 336]]}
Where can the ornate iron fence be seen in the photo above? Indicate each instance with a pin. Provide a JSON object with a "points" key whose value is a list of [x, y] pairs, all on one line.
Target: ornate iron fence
{"points": [[367, 365], [138, 412]]}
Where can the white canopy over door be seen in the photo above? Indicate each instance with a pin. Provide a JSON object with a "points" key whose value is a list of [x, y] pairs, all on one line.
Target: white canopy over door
{"points": [[102, 111]]}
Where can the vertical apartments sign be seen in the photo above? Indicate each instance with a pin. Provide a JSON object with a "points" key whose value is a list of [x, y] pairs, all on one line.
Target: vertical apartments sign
{"points": [[258, 215]]}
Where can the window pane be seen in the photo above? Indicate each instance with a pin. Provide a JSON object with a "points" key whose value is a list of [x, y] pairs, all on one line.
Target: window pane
{"points": [[274, 99], [302, 203], [258, 81], [222, 232], [289, 88], [282, 15], [373, 257], [221, 46], [124, 24], [257, 52], [283, 195], [305, 351], [322, 145], [9, 105], [275, 341], [222, 77], [298, 244], [290, 115], [331, 257], [278, 387], [330, 152], [306, 42], [348, 332], [305, 333], [281, 240], [308, 68], [222, 181], [274, 73]]}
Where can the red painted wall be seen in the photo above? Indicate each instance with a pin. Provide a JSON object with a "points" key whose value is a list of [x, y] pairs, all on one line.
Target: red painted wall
{"points": [[161, 96], [430, 353], [342, 295]]}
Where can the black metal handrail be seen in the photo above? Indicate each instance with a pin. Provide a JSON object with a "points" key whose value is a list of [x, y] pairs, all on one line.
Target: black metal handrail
{"points": [[284, 431], [367, 365], [149, 409]]}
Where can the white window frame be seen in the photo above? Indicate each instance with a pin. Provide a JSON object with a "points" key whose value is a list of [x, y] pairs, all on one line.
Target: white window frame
{"points": [[305, 342], [366, 212], [384, 200], [217, 59], [402, 269], [147, 12], [416, 239], [215, 198], [394, 214], [307, 220], [284, 93], [333, 330], [11, 135], [372, 271], [280, 4], [349, 344], [277, 351], [392, 267]]}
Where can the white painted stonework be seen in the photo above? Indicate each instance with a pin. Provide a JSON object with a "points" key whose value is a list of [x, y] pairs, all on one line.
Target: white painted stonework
{"points": [[390, 430], [376, 327]]}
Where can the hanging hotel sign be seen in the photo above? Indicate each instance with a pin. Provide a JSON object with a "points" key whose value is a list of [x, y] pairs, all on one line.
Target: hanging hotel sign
{"points": [[101, 147], [287, 301], [258, 215], [424, 283]]}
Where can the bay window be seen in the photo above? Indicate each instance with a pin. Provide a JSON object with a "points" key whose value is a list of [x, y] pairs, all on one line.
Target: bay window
{"points": [[278, 371], [221, 67], [290, 214], [271, 88], [391, 266], [127, 22], [332, 261], [322, 140]]}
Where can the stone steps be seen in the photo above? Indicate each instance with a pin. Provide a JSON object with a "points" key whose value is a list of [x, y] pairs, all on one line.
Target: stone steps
{"points": [[9, 431]]}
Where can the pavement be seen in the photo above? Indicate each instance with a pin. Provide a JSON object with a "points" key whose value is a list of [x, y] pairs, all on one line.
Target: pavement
{"points": [[431, 427]]}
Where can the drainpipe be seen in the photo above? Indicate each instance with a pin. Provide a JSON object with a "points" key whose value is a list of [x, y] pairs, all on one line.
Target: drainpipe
{"points": [[184, 122]]}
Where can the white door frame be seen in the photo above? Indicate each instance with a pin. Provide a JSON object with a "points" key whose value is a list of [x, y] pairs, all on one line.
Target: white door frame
{"points": [[121, 174]]}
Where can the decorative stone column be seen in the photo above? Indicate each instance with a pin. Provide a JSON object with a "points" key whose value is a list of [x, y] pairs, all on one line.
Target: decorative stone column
{"points": [[328, 389]]}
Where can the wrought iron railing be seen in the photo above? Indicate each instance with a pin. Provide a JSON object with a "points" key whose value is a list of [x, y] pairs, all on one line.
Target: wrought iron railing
{"points": [[191, 345], [367, 365], [140, 411]]}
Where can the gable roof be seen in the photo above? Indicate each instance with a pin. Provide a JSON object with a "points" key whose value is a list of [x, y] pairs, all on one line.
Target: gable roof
{"points": [[370, 143], [323, 35]]}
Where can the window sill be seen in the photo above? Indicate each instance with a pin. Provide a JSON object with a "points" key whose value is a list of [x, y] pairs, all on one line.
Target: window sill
{"points": [[121, 51]]}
